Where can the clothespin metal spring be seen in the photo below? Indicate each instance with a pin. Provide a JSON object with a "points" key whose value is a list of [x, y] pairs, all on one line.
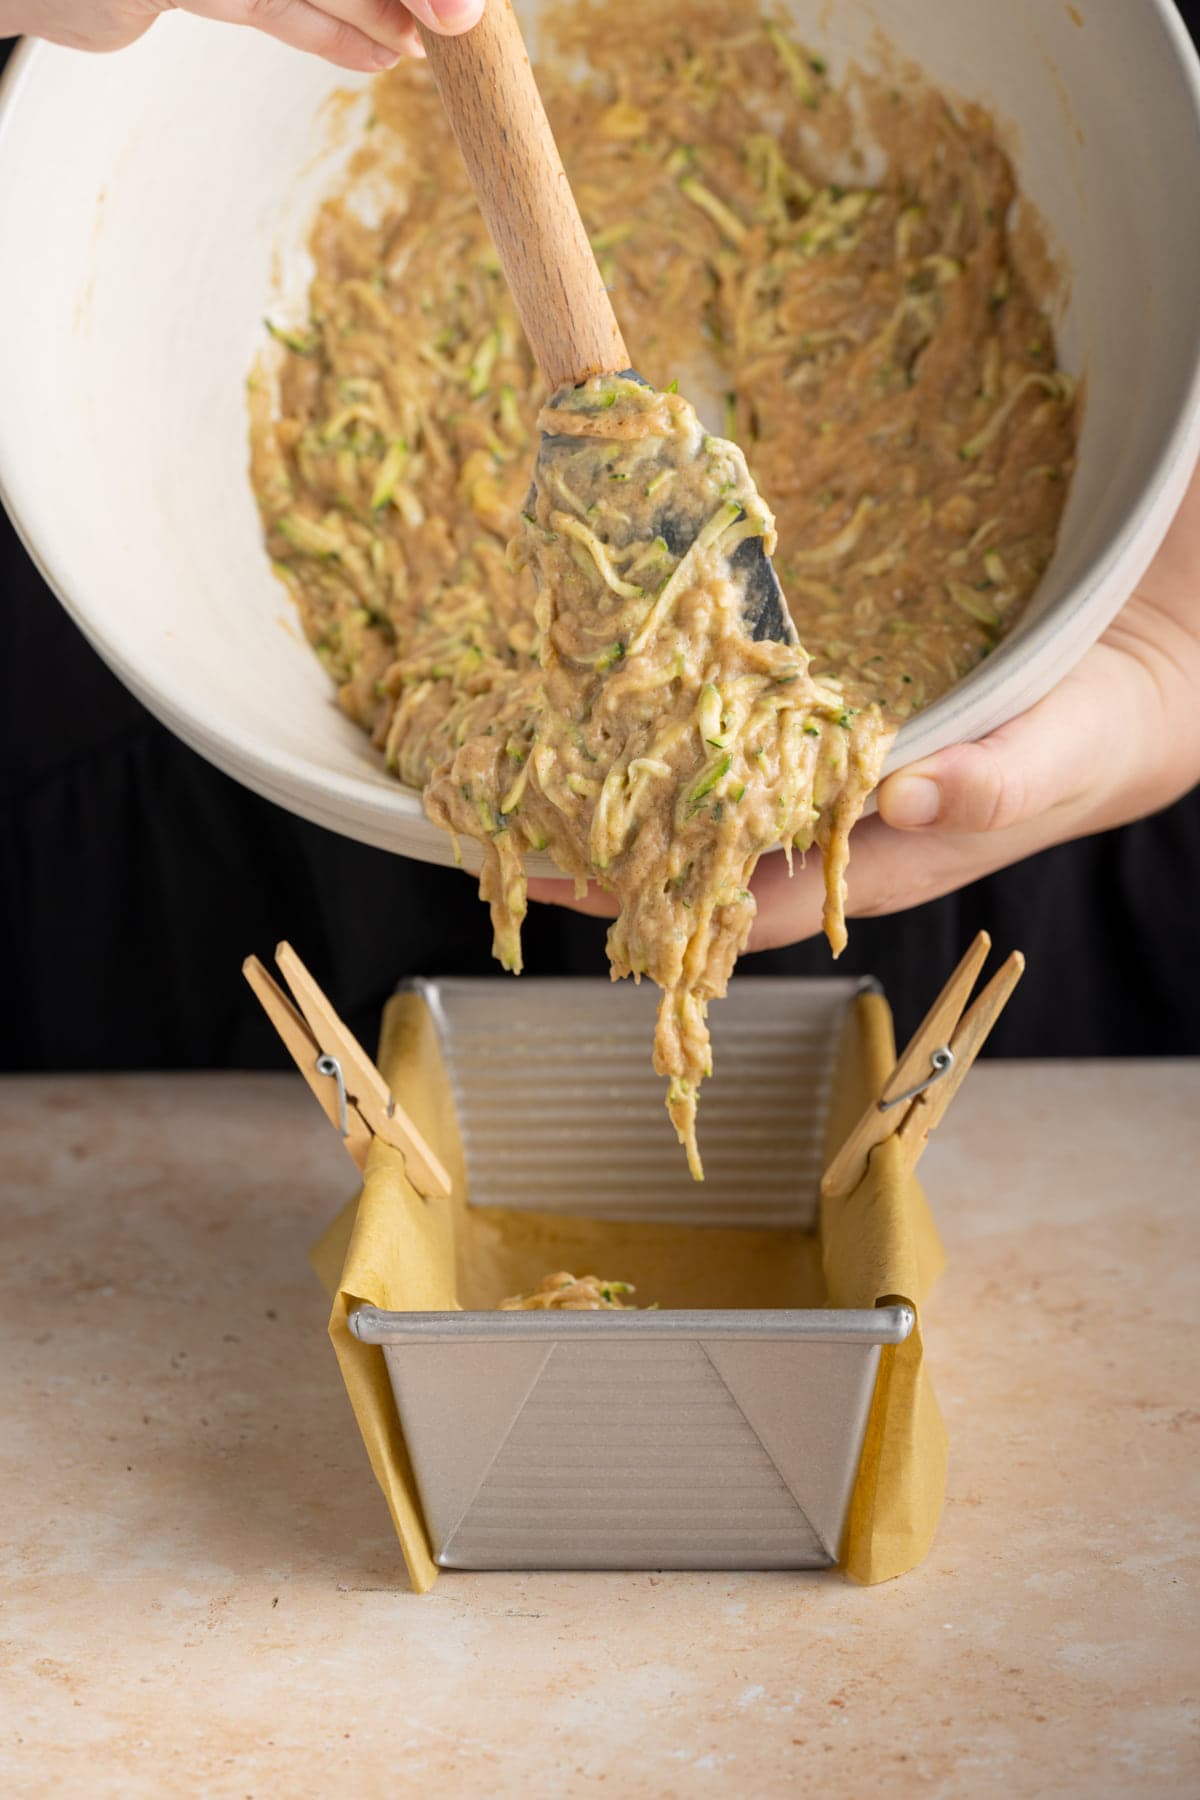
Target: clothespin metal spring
{"points": [[329, 1065], [941, 1062]]}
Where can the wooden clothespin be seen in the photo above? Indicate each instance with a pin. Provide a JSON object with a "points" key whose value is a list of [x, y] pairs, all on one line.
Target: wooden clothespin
{"points": [[930, 1072], [352, 1093]]}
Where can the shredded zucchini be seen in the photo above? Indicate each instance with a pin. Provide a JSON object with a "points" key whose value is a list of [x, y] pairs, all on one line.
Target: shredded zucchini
{"points": [[563, 672]]}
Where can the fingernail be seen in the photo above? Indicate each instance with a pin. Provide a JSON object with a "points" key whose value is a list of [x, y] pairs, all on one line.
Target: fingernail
{"points": [[909, 800], [383, 58], [455, 13]]}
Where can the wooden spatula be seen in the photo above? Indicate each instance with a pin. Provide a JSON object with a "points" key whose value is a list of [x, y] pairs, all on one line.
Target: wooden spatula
{"points": [[497, 116]]}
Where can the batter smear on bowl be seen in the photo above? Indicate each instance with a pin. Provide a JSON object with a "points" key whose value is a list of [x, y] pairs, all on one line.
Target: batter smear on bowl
{"points": [[559, 670]]}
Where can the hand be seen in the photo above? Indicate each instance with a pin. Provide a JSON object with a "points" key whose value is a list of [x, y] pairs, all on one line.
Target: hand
{"points": [[1119, 737], [367, 35]]}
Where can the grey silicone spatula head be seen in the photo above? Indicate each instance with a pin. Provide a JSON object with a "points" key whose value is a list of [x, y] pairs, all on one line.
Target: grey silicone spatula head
{"points": [[496, 113], [656, 499]]}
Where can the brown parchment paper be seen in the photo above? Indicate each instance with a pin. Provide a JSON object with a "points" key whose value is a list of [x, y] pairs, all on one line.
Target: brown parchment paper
{"points": [[882, 1245], [394, 1249]]}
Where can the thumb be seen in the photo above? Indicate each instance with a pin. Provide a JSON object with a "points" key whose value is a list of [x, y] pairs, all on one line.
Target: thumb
{"points": [[449, 18], [1043, 761]]}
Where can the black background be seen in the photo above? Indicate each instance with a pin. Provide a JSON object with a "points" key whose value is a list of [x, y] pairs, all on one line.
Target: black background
{"points": [[134, 878]]}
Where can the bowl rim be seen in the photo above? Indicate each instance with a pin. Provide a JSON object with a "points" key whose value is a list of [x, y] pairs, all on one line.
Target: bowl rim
{"points": [[373, 806]]}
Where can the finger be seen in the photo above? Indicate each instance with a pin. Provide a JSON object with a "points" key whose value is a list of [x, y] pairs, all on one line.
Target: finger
{"points": [[100, 36], [1058, 770], [304, 27], [889, 872], [395, 22], [993, 803], [892, 870], [1044, 762], [597, 901], [790, 908], [447, 17]]}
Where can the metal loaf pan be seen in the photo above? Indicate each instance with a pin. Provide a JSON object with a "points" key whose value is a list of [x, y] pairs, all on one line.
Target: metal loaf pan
{"points": [[702, 1439]]}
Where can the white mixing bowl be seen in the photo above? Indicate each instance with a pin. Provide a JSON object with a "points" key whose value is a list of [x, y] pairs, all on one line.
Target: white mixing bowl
{"points": [[144, 202]]}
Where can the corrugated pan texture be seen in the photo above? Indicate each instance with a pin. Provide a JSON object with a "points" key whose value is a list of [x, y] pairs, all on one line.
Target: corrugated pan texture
{"points": [[627, 1456], [560, 1111]]}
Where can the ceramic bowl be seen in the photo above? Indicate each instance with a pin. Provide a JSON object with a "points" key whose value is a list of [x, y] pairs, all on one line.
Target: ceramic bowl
{"points": [[154, 204]]}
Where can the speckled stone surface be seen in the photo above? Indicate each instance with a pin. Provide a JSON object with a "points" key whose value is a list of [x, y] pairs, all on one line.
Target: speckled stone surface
{"points": [[202, 1595]]}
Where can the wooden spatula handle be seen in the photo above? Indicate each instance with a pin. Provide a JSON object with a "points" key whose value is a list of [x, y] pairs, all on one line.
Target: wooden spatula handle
{"points": [[496, 112]]}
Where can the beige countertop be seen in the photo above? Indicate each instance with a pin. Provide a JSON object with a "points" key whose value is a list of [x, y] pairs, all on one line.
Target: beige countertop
{"points": [[202, 1594]]}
